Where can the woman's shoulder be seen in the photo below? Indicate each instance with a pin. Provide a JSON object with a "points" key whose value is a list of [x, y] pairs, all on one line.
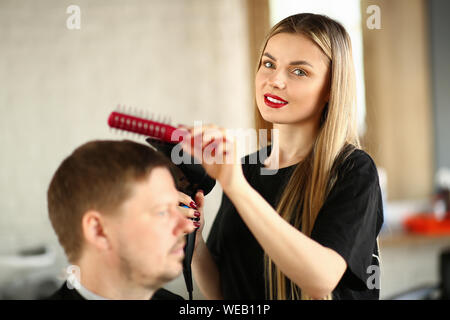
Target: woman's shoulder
{"points": [[358, 162], [361, 157]]}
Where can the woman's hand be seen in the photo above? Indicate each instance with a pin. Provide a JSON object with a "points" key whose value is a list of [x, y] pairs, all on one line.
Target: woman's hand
{"points": [[216, 151], [195, 211]]}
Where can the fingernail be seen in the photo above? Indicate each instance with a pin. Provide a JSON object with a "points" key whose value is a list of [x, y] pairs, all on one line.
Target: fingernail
{"points": [[197, 214], [193, 205], [200, 190], [196, 224]]}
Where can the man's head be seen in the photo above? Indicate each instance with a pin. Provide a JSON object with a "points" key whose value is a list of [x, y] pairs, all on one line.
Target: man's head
{"points": [[115, 203]]}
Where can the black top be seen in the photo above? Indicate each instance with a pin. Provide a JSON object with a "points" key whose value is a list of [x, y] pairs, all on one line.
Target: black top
{"points": [[348, 222], [64, 293]]}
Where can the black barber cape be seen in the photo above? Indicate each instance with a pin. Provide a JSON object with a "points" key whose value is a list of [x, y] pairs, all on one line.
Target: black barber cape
{"points": [[348, 222]]}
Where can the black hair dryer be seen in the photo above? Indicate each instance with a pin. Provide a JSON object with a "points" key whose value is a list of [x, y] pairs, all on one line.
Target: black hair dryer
{"points": [[190, 177]]}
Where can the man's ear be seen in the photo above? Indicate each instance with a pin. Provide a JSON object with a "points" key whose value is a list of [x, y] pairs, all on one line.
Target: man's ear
{"points": [[93, 226]]}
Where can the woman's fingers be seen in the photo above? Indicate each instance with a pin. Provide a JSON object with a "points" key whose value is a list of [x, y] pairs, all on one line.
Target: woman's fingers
{"points": [[216, 150], [199, 137], [186, 200], [206, 144], [200, 198], [193, 212], [190, 213]]}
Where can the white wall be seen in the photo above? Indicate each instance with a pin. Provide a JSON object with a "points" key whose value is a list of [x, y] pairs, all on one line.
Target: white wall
{"points": [[178, 58]]}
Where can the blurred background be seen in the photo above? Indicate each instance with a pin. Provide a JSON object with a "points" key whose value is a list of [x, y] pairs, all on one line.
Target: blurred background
{"points": [[194, 60]]}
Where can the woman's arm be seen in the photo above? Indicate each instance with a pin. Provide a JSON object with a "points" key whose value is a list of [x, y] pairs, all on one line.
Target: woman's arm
{"points": [[206, 273], [313, 267]]}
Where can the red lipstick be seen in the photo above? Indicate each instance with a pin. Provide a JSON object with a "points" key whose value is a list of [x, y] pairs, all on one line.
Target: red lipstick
{"points": [[274, 101]]}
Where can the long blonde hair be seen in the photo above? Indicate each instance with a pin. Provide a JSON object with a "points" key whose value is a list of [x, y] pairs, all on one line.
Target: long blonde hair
{"points": [[313, 178]]}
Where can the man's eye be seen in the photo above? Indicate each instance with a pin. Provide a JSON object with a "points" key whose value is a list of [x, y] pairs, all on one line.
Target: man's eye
{"points": [[299, 72]]}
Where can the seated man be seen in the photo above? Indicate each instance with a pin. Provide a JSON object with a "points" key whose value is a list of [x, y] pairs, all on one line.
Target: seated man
{"points": [[114, 208]]}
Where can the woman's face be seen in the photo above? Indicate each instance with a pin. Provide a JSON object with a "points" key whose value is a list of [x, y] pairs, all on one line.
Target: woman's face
{"points": [[293, 80]]}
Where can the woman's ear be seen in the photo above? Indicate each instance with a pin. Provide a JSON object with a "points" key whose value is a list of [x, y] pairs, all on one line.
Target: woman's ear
{"points": [[327, 97], [93, 227], [324, 114]]}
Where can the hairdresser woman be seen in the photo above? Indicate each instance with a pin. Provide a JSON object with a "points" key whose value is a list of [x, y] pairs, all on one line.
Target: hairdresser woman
{"points": [[310, 230]]}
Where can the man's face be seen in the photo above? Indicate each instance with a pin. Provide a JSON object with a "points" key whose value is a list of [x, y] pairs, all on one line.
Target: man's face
{"points": [[148, 235]]}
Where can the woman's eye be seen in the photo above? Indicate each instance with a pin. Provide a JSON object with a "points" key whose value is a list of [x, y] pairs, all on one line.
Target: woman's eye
{"points": [[268, 64], [299, 72]]}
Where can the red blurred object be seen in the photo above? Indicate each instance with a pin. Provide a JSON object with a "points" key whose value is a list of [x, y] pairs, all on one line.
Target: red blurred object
{"points": [[154, 129], [426, 223]]}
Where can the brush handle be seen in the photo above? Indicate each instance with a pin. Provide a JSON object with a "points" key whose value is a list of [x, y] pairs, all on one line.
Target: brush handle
{"points": [[150, 128]]}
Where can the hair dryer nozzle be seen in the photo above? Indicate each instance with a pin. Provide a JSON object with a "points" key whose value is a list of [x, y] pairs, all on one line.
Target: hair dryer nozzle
{"points": [[194, 173]]}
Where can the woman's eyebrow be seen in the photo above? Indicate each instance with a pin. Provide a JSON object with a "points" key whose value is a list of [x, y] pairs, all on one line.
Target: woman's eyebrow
{"points": [[293, 63]]}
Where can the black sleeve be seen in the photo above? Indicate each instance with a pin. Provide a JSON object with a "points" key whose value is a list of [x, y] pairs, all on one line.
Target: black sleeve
{"points": [[349, 220], [214, 239]]}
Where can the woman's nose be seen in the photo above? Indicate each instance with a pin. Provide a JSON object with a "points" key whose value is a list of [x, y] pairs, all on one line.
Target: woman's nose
{"points": [[277, 81]]}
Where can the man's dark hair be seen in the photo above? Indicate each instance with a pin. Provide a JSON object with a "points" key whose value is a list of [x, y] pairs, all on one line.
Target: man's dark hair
{"points": [[97, 176]]}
